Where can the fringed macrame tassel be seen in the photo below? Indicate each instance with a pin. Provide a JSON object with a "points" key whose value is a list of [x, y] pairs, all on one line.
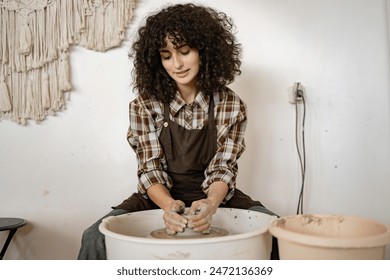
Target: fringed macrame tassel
{"points": [[25, 39], [64, 81], [5, 102], [4, 54], [100, 23], [29, 112], [51, 30], [46, 101]]}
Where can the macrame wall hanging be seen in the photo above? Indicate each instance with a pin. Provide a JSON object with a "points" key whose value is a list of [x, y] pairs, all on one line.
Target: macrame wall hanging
{"points": [[35, 36]]}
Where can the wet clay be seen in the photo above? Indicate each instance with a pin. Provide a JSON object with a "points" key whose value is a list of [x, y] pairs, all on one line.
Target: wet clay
{"points": [[188, 234]]}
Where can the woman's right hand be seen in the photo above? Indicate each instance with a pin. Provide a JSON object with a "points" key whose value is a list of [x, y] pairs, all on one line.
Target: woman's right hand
{"points": [[173, 219]]}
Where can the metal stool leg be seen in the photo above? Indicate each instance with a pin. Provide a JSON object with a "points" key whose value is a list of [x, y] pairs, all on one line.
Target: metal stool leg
{"points": [[7, 242]]}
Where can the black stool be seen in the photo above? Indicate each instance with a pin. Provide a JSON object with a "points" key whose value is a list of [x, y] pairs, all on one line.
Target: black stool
{"points": [[11, 224]]}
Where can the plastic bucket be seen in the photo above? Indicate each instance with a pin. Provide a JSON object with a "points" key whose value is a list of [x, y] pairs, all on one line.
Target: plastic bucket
{"points": [[330, 237], [127, 237]]}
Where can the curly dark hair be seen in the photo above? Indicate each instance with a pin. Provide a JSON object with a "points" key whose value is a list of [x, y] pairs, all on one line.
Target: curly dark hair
{"points": [[200, 27]]}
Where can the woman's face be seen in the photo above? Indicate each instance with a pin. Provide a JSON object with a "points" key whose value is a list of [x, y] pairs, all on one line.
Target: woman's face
{"points": [[181, 63]]}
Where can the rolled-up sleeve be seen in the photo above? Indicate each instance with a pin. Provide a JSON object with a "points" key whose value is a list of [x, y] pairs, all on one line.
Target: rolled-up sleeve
{"points": [[142, 136], [231, 120]]}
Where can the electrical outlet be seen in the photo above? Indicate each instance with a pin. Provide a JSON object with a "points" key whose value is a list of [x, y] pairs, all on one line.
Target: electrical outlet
{"points": [[295, 93]]}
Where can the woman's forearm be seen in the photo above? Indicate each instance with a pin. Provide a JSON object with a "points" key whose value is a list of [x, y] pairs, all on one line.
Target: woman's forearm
{"points": [[217, 192], [159, 194]]}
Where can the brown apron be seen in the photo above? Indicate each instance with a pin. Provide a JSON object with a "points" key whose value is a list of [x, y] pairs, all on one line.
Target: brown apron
{"points": [[188, 153]]}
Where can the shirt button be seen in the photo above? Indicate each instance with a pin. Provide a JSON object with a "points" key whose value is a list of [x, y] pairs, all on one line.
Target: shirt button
{"points": [[165, 124]]}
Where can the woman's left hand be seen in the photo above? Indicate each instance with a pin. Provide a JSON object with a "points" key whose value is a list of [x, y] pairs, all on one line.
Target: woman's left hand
{"points": [[200, 215], [201, 211]]}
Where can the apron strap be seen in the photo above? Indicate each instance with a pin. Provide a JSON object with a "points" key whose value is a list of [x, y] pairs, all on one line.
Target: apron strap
{"points": [[212, 126], [167, 133]]}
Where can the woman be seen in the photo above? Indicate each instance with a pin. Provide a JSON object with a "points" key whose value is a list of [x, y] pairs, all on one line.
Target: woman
{"points": [[186, 126]]}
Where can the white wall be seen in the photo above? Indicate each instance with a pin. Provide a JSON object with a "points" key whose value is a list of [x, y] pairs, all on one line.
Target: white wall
{"points": [[63, 174]]}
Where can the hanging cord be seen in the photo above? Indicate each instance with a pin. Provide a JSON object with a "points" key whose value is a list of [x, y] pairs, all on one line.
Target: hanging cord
{"points": [[301, 154]]}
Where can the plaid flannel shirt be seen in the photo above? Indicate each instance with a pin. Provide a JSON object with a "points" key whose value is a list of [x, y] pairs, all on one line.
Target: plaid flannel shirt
{"points": [[146, 122]]}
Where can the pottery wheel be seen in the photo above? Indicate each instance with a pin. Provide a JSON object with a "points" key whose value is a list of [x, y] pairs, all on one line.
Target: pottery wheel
{"points": [[188, 234]]}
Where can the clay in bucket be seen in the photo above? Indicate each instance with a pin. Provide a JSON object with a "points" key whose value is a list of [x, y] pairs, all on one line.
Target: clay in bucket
{"points": [[188, 233]]}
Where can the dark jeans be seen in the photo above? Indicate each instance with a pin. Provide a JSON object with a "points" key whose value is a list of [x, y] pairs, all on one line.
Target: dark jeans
{"points": [[93, 246]]}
